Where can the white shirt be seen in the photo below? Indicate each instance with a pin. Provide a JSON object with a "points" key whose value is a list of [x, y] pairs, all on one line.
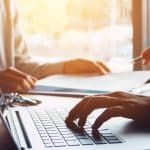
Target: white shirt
{"points": [[13, 49]]}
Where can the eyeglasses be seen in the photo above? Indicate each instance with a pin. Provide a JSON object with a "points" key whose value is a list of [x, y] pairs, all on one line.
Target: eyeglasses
{"points": [[15, 99]]}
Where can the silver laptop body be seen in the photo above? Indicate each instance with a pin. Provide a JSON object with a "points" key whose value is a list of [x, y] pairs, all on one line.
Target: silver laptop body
{"points": [[42, 127]]}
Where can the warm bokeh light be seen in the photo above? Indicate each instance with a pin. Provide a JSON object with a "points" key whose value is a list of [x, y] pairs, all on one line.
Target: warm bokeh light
{"points": [[43, 15], [50, 16], [97, 29]]}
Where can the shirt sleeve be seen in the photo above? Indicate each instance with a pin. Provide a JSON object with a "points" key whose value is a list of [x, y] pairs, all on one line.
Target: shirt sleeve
{"points": [[24, 62]]}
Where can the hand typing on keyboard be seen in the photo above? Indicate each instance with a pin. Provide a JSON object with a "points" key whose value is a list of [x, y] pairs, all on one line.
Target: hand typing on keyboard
{"points": [[117, 104], [54, 132]]}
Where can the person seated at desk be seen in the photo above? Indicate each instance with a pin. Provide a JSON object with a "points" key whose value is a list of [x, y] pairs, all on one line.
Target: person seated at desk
{"points": [[17, 70], [117, 104]]}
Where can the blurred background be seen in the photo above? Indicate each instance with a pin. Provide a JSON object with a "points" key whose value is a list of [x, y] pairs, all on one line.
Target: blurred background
{"points": [[64, 29]]}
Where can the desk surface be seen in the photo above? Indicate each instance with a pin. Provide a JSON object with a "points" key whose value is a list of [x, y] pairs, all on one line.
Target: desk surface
{"points": [[122, 81]]}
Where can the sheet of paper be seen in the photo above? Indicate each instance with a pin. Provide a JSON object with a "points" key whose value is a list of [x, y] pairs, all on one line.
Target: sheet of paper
{"points": [[92, 84], [111, 82]]}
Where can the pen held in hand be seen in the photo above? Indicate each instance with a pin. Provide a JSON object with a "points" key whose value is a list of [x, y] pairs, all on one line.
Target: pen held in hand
{"points": [[137, 59]]}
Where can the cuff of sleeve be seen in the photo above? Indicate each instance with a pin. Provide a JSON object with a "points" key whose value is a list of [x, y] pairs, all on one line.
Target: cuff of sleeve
{"points": [[48, 69]]}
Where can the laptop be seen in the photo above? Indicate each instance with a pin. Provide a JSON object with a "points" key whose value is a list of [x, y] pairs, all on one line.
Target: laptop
{"points": [[42, 127]]}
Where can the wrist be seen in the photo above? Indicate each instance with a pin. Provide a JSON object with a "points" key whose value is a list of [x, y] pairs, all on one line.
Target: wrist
{"points": [[65, 67]]}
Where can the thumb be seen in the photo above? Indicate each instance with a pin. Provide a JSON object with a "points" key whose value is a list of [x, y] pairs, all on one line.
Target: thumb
{"points": [[99, 69]]}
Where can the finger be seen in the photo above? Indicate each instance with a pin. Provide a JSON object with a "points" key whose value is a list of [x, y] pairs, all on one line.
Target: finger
{"points": [[114, 111], [145, 56], [20, 74], [121, 95], [98, 69], [12, 87], [74, 127], [31, 81], [145, 53], [74, 113], [17, 83], [19, 88], [103, 66], [25, 85], [16, 72], [20, 85], [97, 102], [145, 61], [33, 78]]}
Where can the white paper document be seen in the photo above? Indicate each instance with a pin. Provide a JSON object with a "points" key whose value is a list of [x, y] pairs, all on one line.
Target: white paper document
{"points": [[91, 84]]}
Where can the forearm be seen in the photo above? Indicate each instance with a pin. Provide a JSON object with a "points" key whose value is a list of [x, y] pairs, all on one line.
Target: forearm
{"points": [[38, 69]]}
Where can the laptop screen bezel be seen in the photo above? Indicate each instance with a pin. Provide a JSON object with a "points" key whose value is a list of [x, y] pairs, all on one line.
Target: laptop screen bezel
{"points": [[7, 140]]}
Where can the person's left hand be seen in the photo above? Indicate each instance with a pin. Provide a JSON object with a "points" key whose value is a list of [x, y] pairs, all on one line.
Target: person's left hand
{"points": [[117, 104], [78, 66]]}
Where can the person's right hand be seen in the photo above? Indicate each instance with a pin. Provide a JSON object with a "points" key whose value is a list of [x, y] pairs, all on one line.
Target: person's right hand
{"points": [[117, 104], [13, 80], [145, 56]]}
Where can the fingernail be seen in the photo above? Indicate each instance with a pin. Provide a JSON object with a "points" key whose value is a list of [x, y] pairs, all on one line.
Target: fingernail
{"points": [[81, 123], [67, 119]]}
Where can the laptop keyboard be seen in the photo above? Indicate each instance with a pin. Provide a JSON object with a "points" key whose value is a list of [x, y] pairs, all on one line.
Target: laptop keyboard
{"points": [[54, 132]]}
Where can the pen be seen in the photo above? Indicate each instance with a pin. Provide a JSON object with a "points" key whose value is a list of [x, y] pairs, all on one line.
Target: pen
{"points": [[147, 81], [137, 59]]}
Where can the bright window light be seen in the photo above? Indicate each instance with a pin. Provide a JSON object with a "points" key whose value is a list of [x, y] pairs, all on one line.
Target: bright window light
{"points": [[95, 29]]}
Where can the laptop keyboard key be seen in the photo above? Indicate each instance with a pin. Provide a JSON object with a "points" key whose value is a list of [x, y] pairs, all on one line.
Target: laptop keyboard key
{"points": [[57, 140], [99, 141], [73, 143], [82, 137], [47, 141], [70, 139], [111, 138], [86, 142], [60, 144], [114, 141], [48, 145]]}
